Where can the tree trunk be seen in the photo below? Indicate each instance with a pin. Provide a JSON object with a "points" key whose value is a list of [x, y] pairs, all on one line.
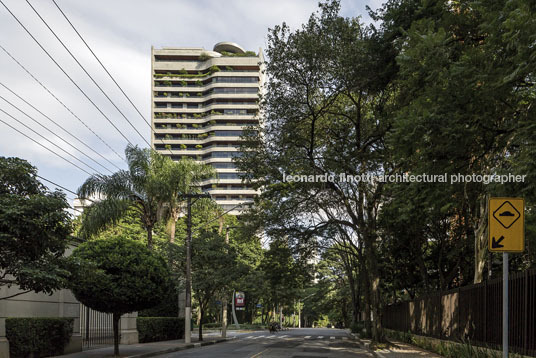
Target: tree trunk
{"points": [[481, 241], [116, 317], [172, 226], [150, 237], [201, 314], [374, 282]]}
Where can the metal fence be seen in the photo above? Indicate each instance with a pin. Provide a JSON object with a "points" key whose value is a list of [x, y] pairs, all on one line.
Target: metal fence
{"points": [[473, 313], [96, 327]]}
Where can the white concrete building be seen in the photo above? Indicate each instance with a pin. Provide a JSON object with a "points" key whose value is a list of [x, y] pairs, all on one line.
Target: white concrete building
{"points": [[201, 102]]}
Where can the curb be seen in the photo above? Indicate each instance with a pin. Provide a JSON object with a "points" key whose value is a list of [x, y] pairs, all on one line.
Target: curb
{"points": [[182, 348], [365, 345]]}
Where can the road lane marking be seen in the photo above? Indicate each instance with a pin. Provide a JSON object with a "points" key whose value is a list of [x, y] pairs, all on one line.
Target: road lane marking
{"points": [[319, 337], [250, 337], [258, 354], [258, 337], [285, 336], [307, 337], [331, 337]]}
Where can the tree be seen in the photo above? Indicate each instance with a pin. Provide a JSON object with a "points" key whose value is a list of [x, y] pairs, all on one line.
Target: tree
{"points": [[175, 179], [214, 268], [115, 194], [34, 229], [327, 110], [118, 276]]}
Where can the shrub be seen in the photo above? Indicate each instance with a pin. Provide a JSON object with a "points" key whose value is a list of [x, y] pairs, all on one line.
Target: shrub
{"points": [[154, 329], [203, 56], [41, 337]]}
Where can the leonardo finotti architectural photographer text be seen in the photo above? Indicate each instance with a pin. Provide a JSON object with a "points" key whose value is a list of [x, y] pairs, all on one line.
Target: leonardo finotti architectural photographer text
{"points": [[407, 178]]}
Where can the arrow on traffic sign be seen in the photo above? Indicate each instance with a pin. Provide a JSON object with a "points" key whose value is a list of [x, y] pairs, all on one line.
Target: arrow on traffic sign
{"points": [[497, 244]]}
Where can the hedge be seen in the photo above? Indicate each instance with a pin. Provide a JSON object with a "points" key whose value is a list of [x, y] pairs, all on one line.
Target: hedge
{"points": [[42, 337], [154, 329]]}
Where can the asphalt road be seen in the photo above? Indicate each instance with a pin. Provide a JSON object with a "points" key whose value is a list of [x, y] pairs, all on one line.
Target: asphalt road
{"points": [[293, 343]]}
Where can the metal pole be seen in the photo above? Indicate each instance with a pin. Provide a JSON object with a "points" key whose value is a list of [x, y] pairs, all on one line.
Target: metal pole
{"points": [[505, 305], [234, 312], [224, 301], [188, 303]]}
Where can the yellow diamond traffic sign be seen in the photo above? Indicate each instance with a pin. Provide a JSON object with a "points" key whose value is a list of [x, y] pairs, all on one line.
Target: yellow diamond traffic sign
{"points": [[506, 224]]}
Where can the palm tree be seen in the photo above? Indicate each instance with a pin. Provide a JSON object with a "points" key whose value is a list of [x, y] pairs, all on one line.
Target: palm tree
{"points": [[175, 179], [135, 188]]}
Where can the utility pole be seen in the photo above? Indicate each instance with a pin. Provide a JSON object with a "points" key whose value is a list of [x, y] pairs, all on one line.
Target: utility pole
{"points": [[188, 303], [224, 301]]}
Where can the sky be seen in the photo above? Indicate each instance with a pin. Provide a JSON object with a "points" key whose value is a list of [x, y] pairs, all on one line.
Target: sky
{"points": [[121, 33]]}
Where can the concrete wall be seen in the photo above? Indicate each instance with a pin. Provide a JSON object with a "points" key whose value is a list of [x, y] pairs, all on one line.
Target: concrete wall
{"points": [[60, 304]]}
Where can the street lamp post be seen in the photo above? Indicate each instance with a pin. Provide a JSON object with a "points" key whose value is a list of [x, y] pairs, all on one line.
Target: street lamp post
{"points": [[224, 300]]}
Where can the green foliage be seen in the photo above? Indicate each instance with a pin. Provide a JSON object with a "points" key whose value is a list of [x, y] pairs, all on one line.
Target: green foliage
{"points": [[155, 329], [204, 56], [118, 275], [38, 337], [34, 229]]}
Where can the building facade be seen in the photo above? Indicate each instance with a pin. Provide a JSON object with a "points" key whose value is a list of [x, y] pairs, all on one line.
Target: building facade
{"points": [[201, 102]]}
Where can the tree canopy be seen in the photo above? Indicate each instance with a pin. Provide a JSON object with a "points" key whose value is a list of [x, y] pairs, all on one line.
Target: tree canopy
{"points": [[34, 229]]}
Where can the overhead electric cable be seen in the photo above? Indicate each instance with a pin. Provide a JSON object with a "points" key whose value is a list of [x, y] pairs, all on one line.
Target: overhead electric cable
{"points": [[65, 106], [108, 73], [86, 72], [48, 140], [51, 132], [50, 150], [102, 65], [62, 128], [65, 73]]}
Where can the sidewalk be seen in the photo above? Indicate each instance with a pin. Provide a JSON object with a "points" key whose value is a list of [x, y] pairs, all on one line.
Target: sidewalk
{"points": [[396, 350], [147, 349]]}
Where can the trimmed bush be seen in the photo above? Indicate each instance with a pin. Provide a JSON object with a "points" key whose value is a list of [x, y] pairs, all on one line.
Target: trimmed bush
{"points": [[43, 337], [154, 329]]}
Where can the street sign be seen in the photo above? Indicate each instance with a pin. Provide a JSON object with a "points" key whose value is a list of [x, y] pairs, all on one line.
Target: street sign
{"points": [[506, 224], [259, 305], [240, 299]]}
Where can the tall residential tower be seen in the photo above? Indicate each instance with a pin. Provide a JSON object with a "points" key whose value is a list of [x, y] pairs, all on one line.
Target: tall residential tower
{"points": [[201, 102]]}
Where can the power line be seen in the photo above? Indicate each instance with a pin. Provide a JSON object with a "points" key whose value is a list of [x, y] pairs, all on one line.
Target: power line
{"points": [[51, 132], [62, 128], [48, 140], [86, 72], [107, 72], [65, 73], [50, 150], [102, 65], [64, 105]]}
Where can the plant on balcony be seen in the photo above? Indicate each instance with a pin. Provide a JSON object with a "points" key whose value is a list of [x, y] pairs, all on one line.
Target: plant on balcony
{"points": [[183, 71], [183, 146], [198, 83], [167, 83], [213, 69], [186, 94], [199, 94], [197, 115], [214, 186], [203, 136], [228, 68], [199, 146], [168, 146], [204, 56], [168, 136]]}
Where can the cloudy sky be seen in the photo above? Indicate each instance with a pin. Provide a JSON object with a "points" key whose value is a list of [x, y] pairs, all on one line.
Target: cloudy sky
{"points": [[121, 32]]}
